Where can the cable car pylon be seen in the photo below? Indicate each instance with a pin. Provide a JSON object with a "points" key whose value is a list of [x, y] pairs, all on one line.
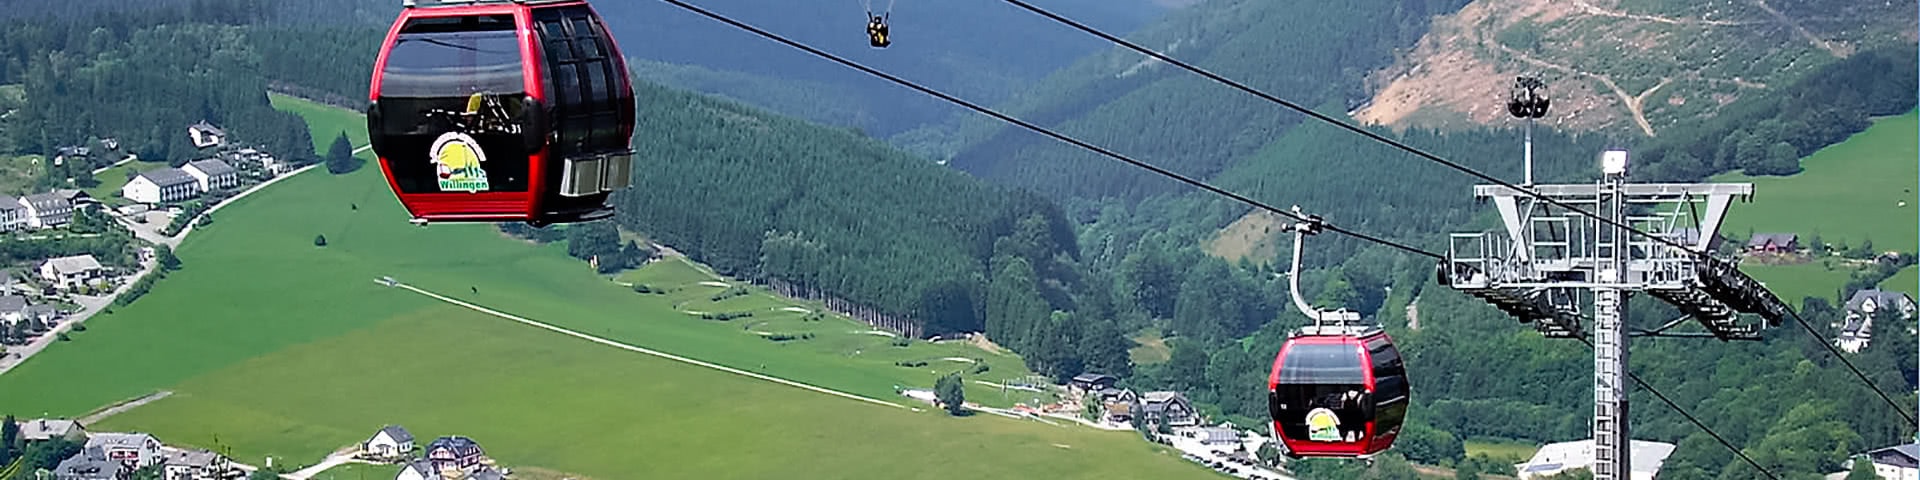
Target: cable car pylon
{"points": [[1546, 256], [1338, 386]]}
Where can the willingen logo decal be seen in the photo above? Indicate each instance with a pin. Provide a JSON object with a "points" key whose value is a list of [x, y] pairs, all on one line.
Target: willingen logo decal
{"points": [[456, 160]]}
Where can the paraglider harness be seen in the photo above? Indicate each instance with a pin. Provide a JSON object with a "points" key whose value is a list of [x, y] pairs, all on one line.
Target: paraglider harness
{"points": [[877, 30]]}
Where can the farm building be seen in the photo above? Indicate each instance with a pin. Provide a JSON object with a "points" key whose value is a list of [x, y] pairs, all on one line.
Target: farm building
{"points": [[1774, 243]]}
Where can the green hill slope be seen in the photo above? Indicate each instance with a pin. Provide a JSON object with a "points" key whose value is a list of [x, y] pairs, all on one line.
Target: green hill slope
{"points": [[264, 337], [1858, 190]]}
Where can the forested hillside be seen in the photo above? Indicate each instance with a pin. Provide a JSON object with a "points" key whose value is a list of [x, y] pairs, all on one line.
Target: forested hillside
{"points": [[757, 195], [141, 78]]}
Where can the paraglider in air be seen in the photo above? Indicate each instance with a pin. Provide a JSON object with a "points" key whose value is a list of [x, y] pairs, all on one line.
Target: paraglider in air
{"points": [[502, 110], [1338, 387], [877, 35]]}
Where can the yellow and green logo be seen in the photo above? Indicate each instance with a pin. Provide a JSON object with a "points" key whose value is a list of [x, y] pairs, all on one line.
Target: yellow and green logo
{"points": [[456, 161], [1322, 426]]}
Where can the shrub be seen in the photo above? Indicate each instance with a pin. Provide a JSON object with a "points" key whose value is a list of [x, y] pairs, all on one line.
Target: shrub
{"points": [[319, 240]]}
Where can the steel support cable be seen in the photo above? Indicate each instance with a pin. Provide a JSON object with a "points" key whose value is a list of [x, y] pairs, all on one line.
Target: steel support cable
{"points": [[1045, 131], [1696, 422], [1450, 164]]}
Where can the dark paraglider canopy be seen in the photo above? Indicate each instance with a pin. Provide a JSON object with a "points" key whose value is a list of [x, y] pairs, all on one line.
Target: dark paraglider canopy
{"points": [[1528, 98]]}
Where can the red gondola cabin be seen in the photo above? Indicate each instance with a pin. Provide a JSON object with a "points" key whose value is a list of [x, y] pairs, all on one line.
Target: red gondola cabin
{"points": [[502, 110], [1338, 395]]}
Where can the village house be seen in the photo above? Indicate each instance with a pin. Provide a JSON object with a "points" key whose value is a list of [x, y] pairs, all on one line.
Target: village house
{"points": [[13, 214], [212, 174], [1774, 243], [197, 465], [139, 449], [70, 272], [92, 463], [1857, 329], [41, 429], [47, 210], [256, 157], [1119, 404], [1169, 408], [391, 442], [1089, 382], [205, 135], [165, 185], [13, 308], [76, 197], [63, 155], [456, 451], [1900, 462]]}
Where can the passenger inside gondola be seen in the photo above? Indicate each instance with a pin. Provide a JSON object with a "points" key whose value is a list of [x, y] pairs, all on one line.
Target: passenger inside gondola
{"points": [[1321, 395]]}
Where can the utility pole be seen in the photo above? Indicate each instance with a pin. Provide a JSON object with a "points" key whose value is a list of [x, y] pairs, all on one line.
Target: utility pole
{"points": [[1546, 257]]}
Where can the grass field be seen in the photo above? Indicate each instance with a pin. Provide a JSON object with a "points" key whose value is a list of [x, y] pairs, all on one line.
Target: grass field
{"points": [[18, 173], [282, 348], [1850, 191], [1510, 452], [1149, 348], [1795, 282], [548, 401], [1908, 280]]}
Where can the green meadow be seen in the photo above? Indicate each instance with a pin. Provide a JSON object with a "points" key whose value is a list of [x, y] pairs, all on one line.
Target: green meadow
{"points": [[281, 348], [1856, 190]]}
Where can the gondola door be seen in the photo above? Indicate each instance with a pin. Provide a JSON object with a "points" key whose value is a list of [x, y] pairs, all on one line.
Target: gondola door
{"points": [[1391, 392], [591, 100]]}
